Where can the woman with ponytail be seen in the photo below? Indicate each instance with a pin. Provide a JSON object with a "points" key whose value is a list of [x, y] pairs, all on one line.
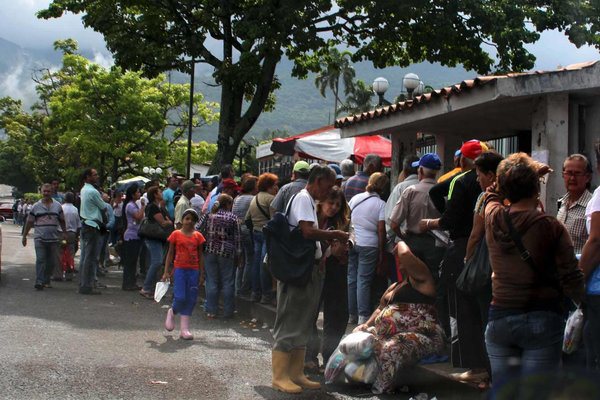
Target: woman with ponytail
{"points": [[223, 245]]}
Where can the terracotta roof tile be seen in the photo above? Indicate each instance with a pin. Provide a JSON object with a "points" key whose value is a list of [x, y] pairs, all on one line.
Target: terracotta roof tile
{"points": [[457, 89]]}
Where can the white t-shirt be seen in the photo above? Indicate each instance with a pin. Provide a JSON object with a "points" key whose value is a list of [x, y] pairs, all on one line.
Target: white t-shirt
{"points": [[304, 208], [592, 207], [197, 202], [365, 218]]}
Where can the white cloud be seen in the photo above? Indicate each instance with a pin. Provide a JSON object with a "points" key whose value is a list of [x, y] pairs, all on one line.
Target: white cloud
{"points": [[103, 60], [18, 84]]}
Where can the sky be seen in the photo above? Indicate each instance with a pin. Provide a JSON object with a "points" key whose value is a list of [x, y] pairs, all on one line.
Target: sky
{"points": [[19, 24]]}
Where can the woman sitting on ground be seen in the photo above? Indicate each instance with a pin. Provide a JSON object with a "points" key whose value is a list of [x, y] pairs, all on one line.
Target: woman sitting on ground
{"points": [[405, 324]]}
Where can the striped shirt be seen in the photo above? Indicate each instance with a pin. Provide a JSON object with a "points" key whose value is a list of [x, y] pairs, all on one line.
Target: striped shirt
{"points": [[46, 220], [223, 234], [573, 218], [356, 185]]}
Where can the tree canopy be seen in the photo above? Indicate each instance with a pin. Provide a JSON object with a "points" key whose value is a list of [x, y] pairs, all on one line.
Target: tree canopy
{"points": [[244, 40], [89, 116]]}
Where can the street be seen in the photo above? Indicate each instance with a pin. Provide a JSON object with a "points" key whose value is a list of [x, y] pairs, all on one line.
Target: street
{"points": [[57, 344]]}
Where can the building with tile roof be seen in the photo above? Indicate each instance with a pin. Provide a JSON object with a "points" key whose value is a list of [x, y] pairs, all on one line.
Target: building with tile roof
{"points": [[549, 114]]}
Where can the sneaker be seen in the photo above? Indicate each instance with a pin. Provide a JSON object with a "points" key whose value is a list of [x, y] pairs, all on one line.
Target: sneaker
{"points": [[48, 285], [38, 286], [99, 285], [352, 319], [362, 319]]}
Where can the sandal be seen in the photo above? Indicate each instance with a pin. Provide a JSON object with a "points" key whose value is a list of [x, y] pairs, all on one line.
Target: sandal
{"points": [[211, 316], [148, 295]]}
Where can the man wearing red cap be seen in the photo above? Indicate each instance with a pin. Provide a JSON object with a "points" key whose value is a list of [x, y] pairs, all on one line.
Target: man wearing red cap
{"points": [[468, 350]]}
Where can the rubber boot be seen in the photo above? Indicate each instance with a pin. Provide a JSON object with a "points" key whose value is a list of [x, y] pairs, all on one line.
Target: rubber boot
{"points": [[297, 370], [184, 328], [170, 320], [281, 378]]}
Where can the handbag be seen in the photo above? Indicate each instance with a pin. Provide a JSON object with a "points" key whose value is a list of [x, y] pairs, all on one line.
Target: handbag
{"points": [[154, 230], [291, 257], [477, 272]]}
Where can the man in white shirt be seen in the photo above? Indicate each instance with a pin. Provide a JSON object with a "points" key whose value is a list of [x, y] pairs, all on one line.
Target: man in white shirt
{"points": [[73, 225], [297, 306], [187, 193]]}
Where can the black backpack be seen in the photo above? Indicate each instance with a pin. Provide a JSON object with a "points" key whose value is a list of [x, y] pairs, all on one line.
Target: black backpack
{"points": [[290, 257]]}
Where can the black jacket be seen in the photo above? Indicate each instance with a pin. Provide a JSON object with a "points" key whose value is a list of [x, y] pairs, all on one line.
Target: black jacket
{"points": [[458, 215]]}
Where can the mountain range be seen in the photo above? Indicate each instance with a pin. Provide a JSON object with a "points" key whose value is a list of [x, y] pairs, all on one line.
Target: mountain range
{"points": [[299, 106]]}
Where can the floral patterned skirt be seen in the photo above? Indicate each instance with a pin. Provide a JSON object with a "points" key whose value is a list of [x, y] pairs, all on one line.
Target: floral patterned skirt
{"points": [[406, 333]]}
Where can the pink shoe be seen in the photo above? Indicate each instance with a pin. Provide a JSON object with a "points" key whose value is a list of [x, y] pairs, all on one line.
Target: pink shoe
{"points": [[185, 333], [169, 321]]}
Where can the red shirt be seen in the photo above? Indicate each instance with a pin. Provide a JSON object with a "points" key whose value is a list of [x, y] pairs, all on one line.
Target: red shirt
{"points": [[187, 249]]}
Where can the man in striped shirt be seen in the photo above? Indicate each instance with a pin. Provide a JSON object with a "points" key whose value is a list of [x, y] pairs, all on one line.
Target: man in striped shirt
{"points": [[358, 183], [46, 217]]}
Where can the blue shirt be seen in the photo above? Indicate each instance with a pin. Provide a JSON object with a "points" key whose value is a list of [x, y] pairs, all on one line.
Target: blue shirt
{"points": [[169, 198], [91, 206], [111, 217]]}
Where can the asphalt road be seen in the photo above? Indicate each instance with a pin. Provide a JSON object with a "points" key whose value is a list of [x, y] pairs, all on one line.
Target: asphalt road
{"points": [[57, 344]]}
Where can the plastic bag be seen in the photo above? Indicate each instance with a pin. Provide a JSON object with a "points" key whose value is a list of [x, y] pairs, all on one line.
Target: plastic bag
{"points": [[573, 331], [160, 290], [335, 366], [364, 371], [359, 345]]}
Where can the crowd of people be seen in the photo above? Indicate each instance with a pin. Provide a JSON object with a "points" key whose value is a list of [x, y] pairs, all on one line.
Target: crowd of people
{"points": [[386, 261]]}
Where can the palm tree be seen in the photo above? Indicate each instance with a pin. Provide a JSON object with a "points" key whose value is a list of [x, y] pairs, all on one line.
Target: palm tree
{"points": [[358, 100], [336, 66]]}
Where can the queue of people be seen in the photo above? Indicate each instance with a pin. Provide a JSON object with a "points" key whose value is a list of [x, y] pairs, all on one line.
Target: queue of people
{"points": [[385, 262]]}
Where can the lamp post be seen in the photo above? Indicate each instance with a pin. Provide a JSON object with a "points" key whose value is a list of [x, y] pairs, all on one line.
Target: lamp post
{"points": [[411, 82], [380, 86]]}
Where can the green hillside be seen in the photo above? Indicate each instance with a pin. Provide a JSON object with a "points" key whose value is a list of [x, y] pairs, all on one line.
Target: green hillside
{"points": [[299, 105]]}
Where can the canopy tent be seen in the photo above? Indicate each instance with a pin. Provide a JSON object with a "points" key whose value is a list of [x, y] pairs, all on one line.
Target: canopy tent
{"points": [[136, 180], [326, 144]]}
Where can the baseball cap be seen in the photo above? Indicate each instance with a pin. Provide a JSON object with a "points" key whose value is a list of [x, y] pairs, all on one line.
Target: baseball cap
{"points": [[338, 171], [429, 160], [301, 166], [457, 153], [472, 149], [191, 211], [229, 183], [187, 185]]}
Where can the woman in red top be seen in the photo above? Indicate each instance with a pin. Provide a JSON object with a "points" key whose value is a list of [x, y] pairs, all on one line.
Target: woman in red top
{"points": [[185, 245]]}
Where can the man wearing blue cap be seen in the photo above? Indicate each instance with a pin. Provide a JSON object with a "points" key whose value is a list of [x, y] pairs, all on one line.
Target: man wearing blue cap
{"points": [[413, 206]]}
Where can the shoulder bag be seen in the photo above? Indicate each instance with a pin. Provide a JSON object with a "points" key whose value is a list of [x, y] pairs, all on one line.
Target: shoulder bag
{"points": [[291, 257], [150, 229], [477, 272]]}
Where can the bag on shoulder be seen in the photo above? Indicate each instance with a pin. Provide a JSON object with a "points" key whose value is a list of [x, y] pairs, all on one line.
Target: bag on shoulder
{"points": [[153, 230], [291, 256], [477, 272]]}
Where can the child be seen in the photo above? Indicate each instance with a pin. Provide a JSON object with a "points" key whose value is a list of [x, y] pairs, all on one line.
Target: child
{"points": [[186, 243]]}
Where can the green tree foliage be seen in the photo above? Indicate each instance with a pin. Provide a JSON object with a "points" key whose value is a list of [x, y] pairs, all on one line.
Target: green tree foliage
{"points": [[114, 120], [359, 100], [202, 153], [336, 65], [253, 36]]}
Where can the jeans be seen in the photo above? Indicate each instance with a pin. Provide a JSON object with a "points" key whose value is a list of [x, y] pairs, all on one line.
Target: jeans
{"points": [[591, 332], [185, 290], [131, 252], [220, 278], [103, 256], [46, 259], [242, 279], [155, 252], [90, 240], [523, 344], [261, 277], [361, 269]]}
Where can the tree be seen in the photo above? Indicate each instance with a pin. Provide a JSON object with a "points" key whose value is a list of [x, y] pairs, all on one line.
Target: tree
{"points": [[359, 100], [114, 120], [244, 40], [202, 153], [336, 65]]}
